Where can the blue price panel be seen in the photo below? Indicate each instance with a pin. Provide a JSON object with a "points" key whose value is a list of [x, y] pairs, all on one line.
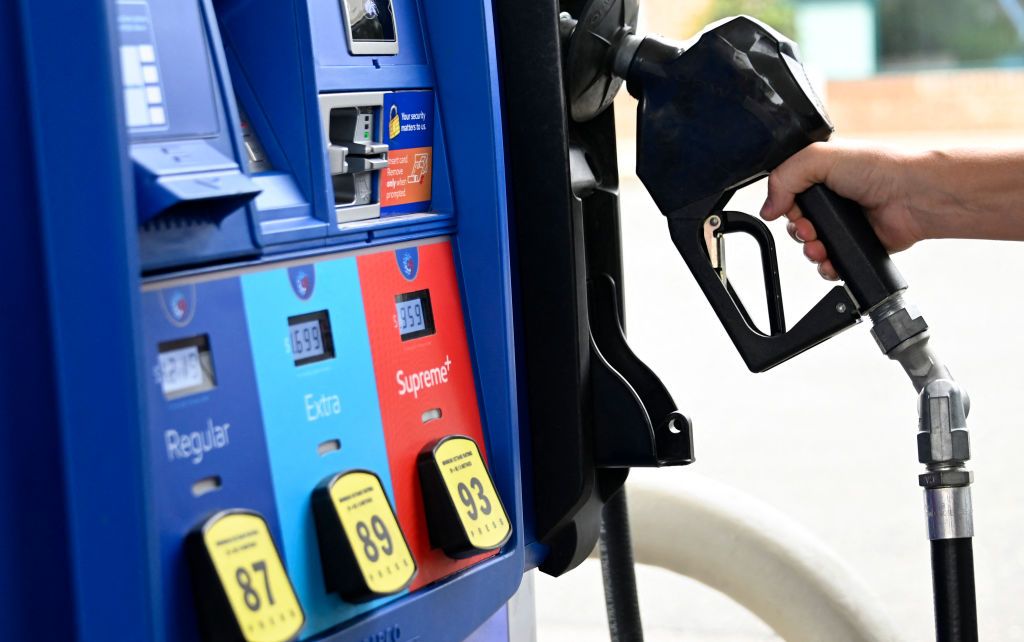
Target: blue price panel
{"points": [[207, 445], [319, 399]]}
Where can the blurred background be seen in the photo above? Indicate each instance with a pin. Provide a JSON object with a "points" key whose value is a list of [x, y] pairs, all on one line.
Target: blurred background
{"points": [[828, 438]]}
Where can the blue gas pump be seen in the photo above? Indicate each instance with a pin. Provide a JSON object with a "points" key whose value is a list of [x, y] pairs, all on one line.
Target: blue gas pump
{"points": [[266, 275], [289, 355]]}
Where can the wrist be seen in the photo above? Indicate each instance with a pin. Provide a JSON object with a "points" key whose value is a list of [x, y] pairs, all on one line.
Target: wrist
{"points": [[934, 210]]}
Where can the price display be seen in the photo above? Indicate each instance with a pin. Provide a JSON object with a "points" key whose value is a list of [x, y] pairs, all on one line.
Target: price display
{"points": [[464, 514], [410, 316], [245, 591], [185, 366], [414, 315], [362, 547], [310, 337]]}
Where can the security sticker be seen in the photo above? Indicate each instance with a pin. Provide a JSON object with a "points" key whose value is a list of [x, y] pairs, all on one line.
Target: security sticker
{"points": [[406, 185], [242, 589], [362, 547], [394, 122], [464, 513]]}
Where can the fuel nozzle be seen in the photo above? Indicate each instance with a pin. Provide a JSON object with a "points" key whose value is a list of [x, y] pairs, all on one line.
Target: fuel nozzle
{"points": [[714, 114], [722, 112]]}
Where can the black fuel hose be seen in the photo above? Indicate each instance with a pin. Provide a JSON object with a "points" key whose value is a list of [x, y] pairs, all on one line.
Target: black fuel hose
{"points": [[619, 573], [956, 611]]}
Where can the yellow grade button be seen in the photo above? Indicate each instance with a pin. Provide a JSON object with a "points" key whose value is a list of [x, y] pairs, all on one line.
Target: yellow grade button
{"points": [[465, 516], [243, 590], [362, 548]]}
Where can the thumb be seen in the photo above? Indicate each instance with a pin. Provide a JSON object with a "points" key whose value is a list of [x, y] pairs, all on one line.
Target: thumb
{"points": [[796, 175]]}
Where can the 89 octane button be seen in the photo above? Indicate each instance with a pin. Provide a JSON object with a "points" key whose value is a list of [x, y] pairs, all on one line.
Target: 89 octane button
{"points": [[362, 547], [242, 590], [464, 514]]}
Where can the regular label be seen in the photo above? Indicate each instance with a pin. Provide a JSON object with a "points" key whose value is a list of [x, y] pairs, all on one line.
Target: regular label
{"points": [[253, 578], [373, 533], [469, 484]]}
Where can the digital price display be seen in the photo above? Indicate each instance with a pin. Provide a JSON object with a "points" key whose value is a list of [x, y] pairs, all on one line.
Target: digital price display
{"points": [[310, 337], [186, 367], [414, 315]]}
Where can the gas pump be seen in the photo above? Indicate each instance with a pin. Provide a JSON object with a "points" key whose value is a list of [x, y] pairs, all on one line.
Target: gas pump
{"points": [[317, 331], [278, 353], [718, 114]]}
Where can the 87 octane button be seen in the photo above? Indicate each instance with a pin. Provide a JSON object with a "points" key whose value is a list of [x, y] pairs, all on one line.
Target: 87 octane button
{"points": [[464, 514], [362, 547], [242, 590]]}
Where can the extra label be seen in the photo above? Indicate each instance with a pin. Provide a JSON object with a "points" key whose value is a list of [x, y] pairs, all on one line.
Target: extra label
{"points": [[252, 577], [469, 485], [377, 542]]}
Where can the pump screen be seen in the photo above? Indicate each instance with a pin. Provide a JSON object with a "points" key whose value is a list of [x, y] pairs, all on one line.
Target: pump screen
{"points": [[371, 20], [414, 315], [186, 367], [310, 336]]}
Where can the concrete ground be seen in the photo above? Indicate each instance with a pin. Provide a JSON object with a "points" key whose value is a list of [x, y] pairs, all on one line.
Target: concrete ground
{"points": [[827, 438]]}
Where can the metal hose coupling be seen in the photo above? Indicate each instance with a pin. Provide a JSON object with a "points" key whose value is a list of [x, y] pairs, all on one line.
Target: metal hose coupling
{"points": [[943, 444]]}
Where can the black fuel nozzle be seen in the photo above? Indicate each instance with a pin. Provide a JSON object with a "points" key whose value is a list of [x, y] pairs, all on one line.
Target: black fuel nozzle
{"points": [[717, 116]]}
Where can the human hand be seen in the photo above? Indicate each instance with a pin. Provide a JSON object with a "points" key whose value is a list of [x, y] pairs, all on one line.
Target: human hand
{"points": [[877, 178]]}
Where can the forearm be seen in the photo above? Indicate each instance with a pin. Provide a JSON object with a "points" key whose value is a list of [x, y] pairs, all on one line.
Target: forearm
{"points": [[976, 194]]}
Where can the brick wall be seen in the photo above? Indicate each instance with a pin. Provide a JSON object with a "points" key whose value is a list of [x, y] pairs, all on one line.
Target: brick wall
{"points": [[949, 101]]}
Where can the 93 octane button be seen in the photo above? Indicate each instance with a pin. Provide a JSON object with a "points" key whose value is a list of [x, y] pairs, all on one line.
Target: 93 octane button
{"points": [[362, 547], [465, 516], [243, 592]]}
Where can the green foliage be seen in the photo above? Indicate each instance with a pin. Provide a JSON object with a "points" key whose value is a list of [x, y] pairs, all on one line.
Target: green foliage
{"points": [[958, 31], [777, 13], [916, 33]]}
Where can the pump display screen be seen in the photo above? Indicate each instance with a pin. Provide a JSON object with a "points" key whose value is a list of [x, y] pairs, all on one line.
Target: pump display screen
{"points": [[310, 337], [186, 367], [414, 315], [371, 20]]}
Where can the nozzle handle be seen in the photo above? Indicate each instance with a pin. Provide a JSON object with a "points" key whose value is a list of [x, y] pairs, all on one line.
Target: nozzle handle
{"points": [[852, 245]]}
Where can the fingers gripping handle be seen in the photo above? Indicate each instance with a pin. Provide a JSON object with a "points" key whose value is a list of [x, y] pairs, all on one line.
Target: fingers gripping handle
{"points": [[854, 249]]}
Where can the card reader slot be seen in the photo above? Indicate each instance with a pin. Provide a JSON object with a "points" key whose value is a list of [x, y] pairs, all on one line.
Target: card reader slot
{"points": [[356, 153]]}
